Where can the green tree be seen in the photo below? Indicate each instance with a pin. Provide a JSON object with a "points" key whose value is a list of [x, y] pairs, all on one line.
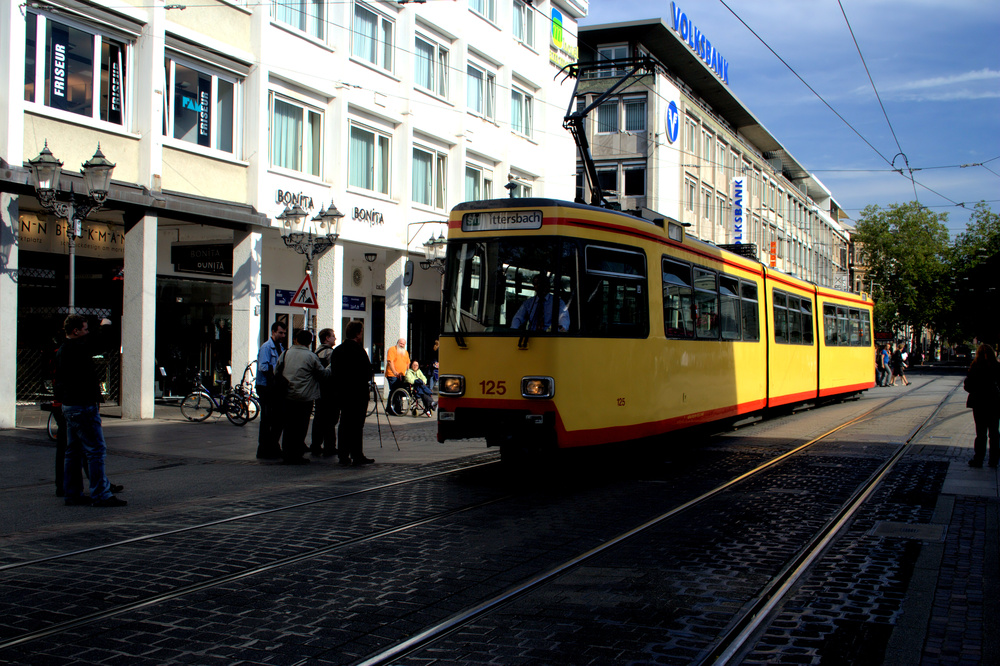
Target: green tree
{"points": [[905, 248], [974, 280]]}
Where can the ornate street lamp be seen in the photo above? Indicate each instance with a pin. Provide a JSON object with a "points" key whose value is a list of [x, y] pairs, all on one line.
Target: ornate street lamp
{"points": [[310, 237], [46, 171], [435, 250]]}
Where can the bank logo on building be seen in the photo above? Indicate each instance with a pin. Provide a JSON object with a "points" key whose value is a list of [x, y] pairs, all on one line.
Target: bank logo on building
{"points": [[673, 122], [557, 28]]}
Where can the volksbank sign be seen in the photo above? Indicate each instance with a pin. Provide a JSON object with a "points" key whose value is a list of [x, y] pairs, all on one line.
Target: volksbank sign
{"points": [[699, 43], [738, 211]]}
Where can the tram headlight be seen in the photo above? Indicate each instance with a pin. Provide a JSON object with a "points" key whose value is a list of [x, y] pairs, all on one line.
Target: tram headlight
{"points": [[451, 385], [538, 387]]}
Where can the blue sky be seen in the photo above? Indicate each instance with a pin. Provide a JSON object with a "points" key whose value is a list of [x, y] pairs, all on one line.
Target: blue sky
{"points": [[936, 66]]}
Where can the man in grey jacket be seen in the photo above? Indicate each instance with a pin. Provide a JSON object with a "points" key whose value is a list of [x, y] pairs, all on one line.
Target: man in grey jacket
{"points": [[304, 371]]}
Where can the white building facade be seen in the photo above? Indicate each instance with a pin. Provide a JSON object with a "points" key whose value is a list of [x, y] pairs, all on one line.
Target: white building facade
{"points": [[220, 115], [679, 142]]}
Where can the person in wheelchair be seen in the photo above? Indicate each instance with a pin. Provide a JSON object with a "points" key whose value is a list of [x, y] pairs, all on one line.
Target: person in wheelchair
{"points": [[418, 382]]}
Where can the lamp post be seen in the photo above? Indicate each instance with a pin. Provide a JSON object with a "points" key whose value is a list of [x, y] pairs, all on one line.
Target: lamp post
{"points": [[434, 251], [310, 237], [45, 173]]}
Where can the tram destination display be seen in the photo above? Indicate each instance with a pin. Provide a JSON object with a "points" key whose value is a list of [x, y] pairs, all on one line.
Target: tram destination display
{"points": [[502, 220]]}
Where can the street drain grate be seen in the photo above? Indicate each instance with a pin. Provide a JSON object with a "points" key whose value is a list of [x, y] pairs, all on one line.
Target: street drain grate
{"points": [[920, 532]]}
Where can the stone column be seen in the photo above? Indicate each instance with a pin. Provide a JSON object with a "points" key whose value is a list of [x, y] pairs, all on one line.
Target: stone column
{"points": [[328, 280], [247, 305], [139, 320], [396, 298], [8, 305]]}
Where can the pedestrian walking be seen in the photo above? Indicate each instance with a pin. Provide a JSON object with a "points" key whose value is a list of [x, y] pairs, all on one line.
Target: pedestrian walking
{"points": [[353, 378], [271, 404], [898, 364], [326, 414], [880, 368], [304, 372], [885, 365], [78, 388], [983, 385]]}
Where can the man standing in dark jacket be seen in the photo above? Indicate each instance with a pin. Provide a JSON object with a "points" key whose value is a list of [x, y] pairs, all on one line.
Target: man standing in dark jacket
{"points": [[353, 370], [78, 389]]}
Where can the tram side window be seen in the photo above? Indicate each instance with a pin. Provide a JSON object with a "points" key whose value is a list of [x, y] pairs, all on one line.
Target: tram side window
{"points": [[805, 308], [866, 329], [855, 319], [615, 302], [706, 299], [678, 300], [751, 318], [843, 327], [794, 320], [729, 307], [830, 325], [780, 317]]}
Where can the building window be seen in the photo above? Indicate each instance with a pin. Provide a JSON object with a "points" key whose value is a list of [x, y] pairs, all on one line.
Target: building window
{"points": [[478, 183], [369, 160], [635, 114], [372, 37], [607, 177], [720, 210], [305, 15], [707, 198], [485, 8], [635, 179], [482, 92], [612, 52], [83, 72], [524, 23], [607, 117], [430, 173], [296, 136], [431, 67], [690, 190], [200, 107], [521, 190], [709, 153], [692, 135], [521, 111]]}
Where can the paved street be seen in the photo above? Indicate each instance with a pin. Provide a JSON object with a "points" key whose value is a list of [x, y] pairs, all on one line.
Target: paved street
{"points": [[349, 561]]}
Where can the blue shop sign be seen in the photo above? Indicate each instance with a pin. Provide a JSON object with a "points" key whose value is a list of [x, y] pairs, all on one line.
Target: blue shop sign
{"points": [[354, 303]]}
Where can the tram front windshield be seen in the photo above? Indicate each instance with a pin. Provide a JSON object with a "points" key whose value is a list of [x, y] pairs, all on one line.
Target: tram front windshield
{"points": [[543, 286]]}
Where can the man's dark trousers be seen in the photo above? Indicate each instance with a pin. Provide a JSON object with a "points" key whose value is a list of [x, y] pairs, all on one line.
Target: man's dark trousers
{"points": [[271, 423]]}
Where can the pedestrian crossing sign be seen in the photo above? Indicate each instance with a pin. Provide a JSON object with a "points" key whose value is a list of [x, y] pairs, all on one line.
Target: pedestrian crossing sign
{"points": [[305, 296]]}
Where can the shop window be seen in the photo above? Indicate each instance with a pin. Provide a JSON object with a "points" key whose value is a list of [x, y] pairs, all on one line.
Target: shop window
{"points": [[84, 71]]}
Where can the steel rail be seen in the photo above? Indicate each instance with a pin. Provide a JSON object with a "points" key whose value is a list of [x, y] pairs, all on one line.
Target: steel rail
{"points": [[244, 516], [228, 578], [463, 617], [775, 591]]}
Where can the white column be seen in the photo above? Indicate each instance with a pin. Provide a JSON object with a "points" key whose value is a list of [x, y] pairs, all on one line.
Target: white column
{"points": [[247, 305], [139, 320], [328, 280], [12, 25], [396, 296]]}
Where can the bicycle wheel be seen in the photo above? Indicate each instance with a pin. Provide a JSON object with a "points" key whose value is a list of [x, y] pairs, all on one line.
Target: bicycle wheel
{"points": [[400, 402], [53, 426], [253, 406], [235, 409], [196, 406]]}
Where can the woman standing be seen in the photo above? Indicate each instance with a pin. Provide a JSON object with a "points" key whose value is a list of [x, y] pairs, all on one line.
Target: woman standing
{"points": [[983, 385]]}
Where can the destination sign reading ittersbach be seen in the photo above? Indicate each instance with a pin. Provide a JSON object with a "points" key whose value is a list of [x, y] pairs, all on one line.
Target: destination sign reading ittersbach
{"points": [[502, 220]]}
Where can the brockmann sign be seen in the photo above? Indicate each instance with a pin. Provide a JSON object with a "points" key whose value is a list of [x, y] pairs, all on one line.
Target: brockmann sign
{"points": [[699, 43]]}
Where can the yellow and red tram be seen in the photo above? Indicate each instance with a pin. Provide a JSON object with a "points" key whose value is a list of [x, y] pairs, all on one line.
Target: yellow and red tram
{"points": [[567, 325]]}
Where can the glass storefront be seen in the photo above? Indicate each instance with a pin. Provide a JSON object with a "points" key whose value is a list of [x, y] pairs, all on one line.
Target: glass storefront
{"points": [[194, 321]]}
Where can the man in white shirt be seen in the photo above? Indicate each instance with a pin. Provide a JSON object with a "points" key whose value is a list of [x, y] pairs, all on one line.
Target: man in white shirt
{"points": [[535, 314]]}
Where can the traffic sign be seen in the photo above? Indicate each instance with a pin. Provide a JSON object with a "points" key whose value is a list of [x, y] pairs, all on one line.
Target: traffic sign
{"points": [[305, 296]]}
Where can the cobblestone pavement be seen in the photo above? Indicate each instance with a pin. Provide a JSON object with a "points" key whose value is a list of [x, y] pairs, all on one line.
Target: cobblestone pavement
{"points": [[882, 593]]}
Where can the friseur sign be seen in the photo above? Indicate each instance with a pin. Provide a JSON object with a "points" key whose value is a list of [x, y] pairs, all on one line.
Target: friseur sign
{"points": [[206, 259]]}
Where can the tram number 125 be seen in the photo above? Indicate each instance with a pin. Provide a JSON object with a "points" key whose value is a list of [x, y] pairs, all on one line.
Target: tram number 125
{"points": [[490, 387]]}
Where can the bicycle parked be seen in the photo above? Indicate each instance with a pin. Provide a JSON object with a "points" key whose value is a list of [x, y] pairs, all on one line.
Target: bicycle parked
{"points": [[201, 403], [246, 389]]}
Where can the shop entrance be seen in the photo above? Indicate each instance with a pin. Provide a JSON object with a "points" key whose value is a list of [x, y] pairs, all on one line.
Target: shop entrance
{"points": [[194, 322]]}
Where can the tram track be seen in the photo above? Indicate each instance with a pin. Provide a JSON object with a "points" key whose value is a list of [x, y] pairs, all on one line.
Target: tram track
{"points": [[420, 639], [744, 626]]}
